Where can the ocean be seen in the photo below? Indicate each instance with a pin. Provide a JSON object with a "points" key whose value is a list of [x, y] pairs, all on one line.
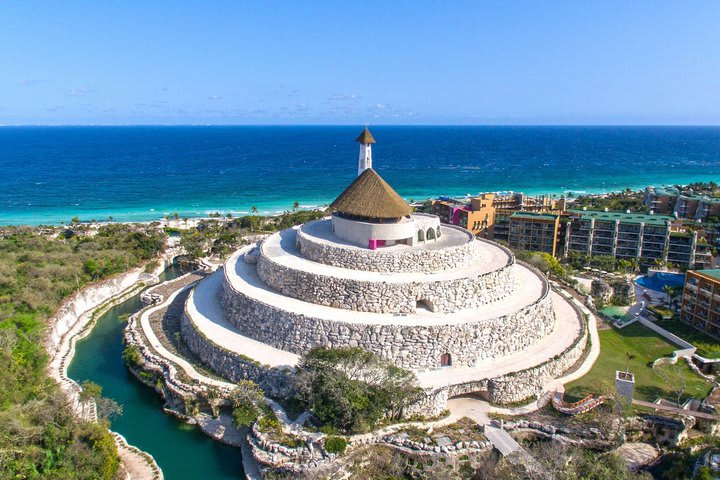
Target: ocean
{"points": [[51, 174]]}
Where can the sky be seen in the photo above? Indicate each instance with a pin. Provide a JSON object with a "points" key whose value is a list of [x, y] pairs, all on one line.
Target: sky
{"points": [[335, 62]]}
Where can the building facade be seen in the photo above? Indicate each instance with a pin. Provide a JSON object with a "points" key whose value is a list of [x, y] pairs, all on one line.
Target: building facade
{"points": [[537, 232], [683, 204], [701, 301], [647, 238], [488, 214]]}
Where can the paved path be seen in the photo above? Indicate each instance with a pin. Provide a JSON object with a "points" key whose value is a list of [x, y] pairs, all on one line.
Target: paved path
{"points": [[479, 410], [281, 249], [243, 278], [566, 330], [502, 440]]}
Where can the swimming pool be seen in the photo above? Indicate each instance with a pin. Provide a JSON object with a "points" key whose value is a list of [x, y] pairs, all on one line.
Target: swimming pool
{"points": [[658, 280]]}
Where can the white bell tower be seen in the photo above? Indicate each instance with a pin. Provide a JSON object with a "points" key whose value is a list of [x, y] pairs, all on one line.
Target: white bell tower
{"points": [[365, 139]]}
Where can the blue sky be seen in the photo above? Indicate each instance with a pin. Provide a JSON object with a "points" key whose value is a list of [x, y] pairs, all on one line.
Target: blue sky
{"points": [[391, 62]]}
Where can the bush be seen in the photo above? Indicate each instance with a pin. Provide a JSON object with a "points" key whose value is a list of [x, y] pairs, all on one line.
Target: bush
{"points": [[334, 384], [132, 355], [335, 445], [245, 414]]}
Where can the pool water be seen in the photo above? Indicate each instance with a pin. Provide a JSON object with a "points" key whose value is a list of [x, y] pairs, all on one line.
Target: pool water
{"points": [[660, 279]]}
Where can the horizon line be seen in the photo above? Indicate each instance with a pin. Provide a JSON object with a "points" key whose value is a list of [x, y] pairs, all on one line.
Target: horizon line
{"points": [[56, 125]]}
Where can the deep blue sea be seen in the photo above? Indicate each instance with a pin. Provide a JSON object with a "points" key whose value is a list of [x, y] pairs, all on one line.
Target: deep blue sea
{"points": [[51, 174]]}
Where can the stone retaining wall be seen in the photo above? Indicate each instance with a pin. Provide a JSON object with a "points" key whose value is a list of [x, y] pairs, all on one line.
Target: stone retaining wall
{"points": [[414, 347], [445, 296], [393, 261], [518, 386], [231, 365]]}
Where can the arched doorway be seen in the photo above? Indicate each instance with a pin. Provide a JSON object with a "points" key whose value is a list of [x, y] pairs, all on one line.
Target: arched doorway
{"points": [[424, 304], [445, 360], [421, 236], [430, 234]]}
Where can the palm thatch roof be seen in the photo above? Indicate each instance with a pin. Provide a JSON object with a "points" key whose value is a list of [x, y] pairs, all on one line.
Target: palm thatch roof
{"points": [[370, 196], [365, 137]]}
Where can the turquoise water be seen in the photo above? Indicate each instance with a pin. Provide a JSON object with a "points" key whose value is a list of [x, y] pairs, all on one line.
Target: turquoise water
{"points": [[660, 279], [182, 451], [51, 174]]}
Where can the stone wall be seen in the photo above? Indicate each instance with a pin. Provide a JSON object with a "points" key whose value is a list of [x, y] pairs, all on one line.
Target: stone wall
{"points": [[414, 347], [389, 261], [518, 386], [232, 365], [445, 296]]}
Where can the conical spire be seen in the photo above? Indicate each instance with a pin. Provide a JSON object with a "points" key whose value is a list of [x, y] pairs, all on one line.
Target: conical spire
{"points": [[365, 137], [370, 196]]}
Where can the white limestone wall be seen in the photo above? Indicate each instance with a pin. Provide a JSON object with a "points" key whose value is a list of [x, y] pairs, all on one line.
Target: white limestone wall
{"points": [[380, 296], [360, 233], [389, 261], [414, 347]]}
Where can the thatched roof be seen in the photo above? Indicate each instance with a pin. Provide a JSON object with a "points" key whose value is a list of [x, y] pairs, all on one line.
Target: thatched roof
{"points": [[370, 196], [365, 137]]}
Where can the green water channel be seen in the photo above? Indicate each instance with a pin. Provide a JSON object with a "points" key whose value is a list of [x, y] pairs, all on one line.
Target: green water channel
{"points": [[181, 450]]}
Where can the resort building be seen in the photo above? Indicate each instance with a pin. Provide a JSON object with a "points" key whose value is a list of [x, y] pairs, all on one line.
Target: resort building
{"points": [[537, 232], [477, 215], [701, 301], [488, 214], [683, 204], [458, 311], [648, 238]]}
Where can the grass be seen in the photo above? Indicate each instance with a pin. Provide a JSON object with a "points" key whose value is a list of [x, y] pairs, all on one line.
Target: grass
{"points": [[707, 346], [646, 346]]}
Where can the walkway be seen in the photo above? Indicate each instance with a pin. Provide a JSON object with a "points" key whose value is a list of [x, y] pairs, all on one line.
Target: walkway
{"points": [[567, 329], [479, 410], [244, 278], [502, 440], [281, 248], [675, 410]]}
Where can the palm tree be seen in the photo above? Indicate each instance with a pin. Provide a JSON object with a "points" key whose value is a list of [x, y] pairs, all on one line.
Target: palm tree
{"points": [[296, 205], [629, 357], [669, 291], [254, 210]]}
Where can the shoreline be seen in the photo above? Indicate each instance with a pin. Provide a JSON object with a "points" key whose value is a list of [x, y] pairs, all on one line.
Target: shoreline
{"points": [[150, 215]]}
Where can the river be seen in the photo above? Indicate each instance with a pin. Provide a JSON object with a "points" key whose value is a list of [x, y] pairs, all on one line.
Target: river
{"points": [[182, 451]]}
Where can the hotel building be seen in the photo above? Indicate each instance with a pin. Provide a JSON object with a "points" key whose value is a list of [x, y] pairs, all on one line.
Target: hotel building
{"points": [[701, 301], [537, 232]]}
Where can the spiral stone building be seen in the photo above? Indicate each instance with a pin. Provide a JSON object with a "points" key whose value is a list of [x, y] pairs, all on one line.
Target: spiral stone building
{"points": [[460, 312]]}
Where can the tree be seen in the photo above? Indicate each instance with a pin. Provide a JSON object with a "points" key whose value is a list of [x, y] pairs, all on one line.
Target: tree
{"points": [[296, 205], [351, 389], [673, 375], [245, 399], [629, 357], [254, 210], [669, 291]]}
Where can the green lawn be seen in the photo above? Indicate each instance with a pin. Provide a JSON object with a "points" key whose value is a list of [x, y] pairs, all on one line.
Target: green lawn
{"points": [[646, 346], [707, 346]]}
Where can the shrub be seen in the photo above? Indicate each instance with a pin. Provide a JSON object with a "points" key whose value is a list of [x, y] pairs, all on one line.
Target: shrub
{"points": [[335, 444], [245, 414], [131, 355]]}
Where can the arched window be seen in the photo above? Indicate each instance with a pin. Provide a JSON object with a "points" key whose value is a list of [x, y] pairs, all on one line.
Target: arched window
{"points": [[431, 234], [445, 360], [421, 236], [438, 232]]}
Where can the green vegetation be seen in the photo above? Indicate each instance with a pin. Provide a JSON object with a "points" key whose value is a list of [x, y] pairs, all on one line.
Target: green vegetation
{"points": [[39, 435], [247, 403], [620, 201], [351, 390], [335, 444], [543, 262], [645, 346], [707, 346]]}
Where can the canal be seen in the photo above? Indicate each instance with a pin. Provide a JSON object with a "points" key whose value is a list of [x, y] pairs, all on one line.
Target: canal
{"points": [[182, 451]]}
